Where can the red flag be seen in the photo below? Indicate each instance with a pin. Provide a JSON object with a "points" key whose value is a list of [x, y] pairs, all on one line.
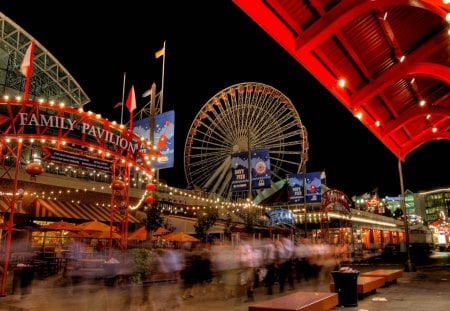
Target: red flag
{"points": [[131, 101], [131, 105], [27, 62]]}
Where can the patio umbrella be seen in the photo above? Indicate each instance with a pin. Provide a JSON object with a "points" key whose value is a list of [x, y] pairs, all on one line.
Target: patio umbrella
{"points": [[57, 226], [138, 235], [161, 231], [93, 226], [141, 234], [28, 226], [180, 237], [79, 235], [105, 235], [60, 226]]}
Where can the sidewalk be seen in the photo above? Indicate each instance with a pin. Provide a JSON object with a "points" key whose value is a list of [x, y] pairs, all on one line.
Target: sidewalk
{"points": [[426, 289]]}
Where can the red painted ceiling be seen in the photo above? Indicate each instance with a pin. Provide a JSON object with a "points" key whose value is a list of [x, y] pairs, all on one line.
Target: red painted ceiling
{"points": [[394, 56]]}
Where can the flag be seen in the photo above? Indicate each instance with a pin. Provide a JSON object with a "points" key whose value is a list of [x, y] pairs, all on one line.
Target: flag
{"points": [[119, 104], [27, 59], [131, 101], [26, 68], [147, 93], [160, 52]]}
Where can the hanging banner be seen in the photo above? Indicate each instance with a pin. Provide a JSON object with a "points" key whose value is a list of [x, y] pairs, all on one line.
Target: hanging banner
{"points": [[313, 188], [260, 164], [164, 134], [164, 139], [239, 172], [260, 170]]}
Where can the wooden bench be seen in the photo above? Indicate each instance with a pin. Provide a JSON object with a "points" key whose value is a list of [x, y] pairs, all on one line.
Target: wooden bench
{"points": [[390, 275], [365, 284], [299, 301]]}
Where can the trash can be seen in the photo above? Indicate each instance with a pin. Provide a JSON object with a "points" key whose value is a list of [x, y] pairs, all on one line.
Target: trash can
{"points": [[346, 285]]}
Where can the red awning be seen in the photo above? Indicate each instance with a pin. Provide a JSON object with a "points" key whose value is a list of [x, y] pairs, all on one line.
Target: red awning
{"points": [[62, 209], [395, 66]]}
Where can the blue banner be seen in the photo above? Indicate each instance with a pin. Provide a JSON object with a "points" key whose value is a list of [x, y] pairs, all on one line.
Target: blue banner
{"points": [[164, 134], [165, 139], [260, 163], [260, 170], [313, 188], [239, 172]]}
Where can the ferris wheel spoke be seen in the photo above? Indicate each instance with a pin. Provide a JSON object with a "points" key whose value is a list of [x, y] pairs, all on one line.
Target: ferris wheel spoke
{"points": [[219, 172], [226, 184]]}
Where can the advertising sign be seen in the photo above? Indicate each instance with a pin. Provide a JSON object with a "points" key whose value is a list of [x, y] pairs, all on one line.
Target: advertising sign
{"points": [[75, 159], [260, 163], [164, 134], [313, 188], [281, 216], [239, 172], [260, 170]]}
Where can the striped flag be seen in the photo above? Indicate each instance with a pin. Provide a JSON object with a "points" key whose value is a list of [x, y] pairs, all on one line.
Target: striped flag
{"points": [[27, 61], [26, 68]]}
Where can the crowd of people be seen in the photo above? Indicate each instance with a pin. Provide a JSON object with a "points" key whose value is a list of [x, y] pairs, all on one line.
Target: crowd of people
{"points": [[233, 271], [221, 270]]}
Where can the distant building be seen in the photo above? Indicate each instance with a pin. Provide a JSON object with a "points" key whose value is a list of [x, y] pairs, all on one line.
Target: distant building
{"points": [[431, 203]]}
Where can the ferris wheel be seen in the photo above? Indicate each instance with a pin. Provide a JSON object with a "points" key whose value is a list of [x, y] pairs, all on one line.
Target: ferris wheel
{"points": [[243, 117]]}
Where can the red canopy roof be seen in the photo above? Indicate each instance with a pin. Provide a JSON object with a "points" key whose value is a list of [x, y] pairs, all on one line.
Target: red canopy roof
{"points": [[393, 54]]}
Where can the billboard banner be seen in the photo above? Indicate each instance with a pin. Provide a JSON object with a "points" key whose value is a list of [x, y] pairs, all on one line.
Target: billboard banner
{"points": [[164, 134], [239, 172], [164, 139], [260, 163], [313, 188], [260, 170]]}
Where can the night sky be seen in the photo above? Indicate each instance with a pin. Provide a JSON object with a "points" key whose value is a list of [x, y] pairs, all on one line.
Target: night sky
{"points": [[211, 45]]}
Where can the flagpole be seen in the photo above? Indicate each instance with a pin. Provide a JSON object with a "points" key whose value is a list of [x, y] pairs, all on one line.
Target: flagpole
{"points": [[29, 72], [162, 78], [123, 97]]}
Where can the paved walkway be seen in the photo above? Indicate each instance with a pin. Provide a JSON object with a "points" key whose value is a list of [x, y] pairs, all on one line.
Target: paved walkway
{"points": [[426, 289]]}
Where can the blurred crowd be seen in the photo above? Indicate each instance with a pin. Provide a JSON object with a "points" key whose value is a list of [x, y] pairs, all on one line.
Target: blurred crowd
{"points": [[229, 271]]}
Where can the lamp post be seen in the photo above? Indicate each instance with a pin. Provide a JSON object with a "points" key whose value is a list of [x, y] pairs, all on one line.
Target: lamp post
{"points": [[409, 265], [304, 199], [249, 163]]}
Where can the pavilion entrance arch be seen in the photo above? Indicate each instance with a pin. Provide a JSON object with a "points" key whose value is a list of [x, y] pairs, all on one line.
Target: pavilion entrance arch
{"points": [[45, 132], [335, 202]]}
